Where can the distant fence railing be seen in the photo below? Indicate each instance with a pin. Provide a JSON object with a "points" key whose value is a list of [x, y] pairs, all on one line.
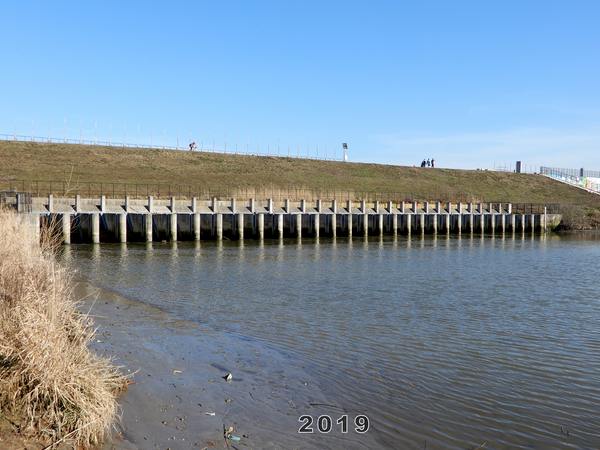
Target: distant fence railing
{"points": [[587, 179], [40, 188], [327, 155]]}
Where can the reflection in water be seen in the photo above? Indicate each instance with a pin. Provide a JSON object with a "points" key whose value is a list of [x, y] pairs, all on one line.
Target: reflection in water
{"points": [[449, 340]]}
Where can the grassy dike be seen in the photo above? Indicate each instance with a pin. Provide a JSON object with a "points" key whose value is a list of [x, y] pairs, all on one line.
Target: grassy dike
{"points": [[82, 163], [53, 390]]}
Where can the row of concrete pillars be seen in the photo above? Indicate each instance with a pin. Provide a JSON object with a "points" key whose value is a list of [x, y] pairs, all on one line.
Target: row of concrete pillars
{"points": [[107, 227]]}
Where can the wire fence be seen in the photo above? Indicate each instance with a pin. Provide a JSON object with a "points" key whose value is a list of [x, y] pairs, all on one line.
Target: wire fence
{"points": [[278, 151], [587, 179], [40, 188]]}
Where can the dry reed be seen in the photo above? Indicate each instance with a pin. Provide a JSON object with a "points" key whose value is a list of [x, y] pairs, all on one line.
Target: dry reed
{"points": [[50, 383]]}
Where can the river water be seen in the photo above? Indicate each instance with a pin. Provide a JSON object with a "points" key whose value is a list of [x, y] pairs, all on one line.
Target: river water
{"points": [[442, 342]]}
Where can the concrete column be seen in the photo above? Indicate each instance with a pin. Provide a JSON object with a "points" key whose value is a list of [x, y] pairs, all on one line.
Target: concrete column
{"points": [[363, 207], [426, 207], [509, 208], [66, 228], [503, 222], [173, 226], [376, 206], [482, 222], [126, 203], [459, 207], [394, 224], [333, 224], [261, 225], [365, 225], [380, 225], [194, 205], [218, 218], [239, 225], [50, 203], [196, 222], [334, 206], [172, 204], [480, 208], [459, 219], [280, 226], [438, 207], [349, 206], [78, 204], [150, 206], [303, 206], [492, 223], [103, 203], [415, 205], [402, 207], [123, 227], [316, 220], [270, 205], [319, 206], [252, 206], [287, 206], [523, 223], [298, 224], [389, 207], [233, 205], [449, 207], [95, 228], [447, 220], [470, 208], [433, 218], [422, 223], [512, 223], [148, 226], [470, 226], [532, 219], [214, 204], [349, 224]]}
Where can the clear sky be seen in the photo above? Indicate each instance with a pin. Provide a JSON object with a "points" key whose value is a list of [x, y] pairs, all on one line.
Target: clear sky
{"points": [[470, 83]]}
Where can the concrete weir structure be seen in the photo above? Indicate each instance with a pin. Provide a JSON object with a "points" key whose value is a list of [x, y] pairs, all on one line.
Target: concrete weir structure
{"points": [[127, 220]]}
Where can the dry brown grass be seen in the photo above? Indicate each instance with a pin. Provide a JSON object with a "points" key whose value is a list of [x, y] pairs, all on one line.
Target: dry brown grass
{"points": [[50, 383]]}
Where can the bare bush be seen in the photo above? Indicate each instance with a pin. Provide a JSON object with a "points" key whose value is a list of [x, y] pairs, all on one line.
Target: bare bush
{"points": [[50, 382], [574, 217]]}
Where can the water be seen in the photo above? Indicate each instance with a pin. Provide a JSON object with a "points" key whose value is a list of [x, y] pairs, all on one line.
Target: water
{"points": [[442, 342]]}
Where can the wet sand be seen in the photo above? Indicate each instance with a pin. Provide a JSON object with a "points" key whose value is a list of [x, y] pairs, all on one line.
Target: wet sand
{"points": [[180, 398]]}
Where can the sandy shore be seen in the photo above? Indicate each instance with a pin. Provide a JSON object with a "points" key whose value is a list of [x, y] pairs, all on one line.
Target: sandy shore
{"points": [[180, 398]]}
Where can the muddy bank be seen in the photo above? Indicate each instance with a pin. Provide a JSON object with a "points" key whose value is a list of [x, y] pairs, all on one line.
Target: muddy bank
{"points": [[180, 397]]}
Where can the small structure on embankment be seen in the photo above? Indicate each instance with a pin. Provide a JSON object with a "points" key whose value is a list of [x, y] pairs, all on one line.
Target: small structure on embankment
{"points": [[101, 219]]}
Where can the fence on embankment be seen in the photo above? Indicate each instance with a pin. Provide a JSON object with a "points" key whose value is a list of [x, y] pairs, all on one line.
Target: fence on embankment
{"points": [[586, 179]]}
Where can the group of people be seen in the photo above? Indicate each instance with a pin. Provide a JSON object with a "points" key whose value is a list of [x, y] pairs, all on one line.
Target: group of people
{"points": [[428, 163]]}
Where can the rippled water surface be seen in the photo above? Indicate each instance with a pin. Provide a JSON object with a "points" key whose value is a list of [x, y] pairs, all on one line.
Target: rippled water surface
{"points": [[442, 342]]}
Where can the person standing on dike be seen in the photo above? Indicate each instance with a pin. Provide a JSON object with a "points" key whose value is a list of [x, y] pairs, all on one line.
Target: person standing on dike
{"points": [[432, 163]]}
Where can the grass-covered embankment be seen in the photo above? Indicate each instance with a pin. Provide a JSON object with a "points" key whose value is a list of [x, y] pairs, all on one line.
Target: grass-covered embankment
{"points": [[51, 386], [83, 163]]}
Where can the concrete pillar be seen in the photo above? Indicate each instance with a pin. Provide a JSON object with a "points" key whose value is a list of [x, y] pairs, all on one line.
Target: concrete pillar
{"points": [[334, 206], [422, 224], [270, 205], [459, 207], [376, 206], [319, 206], [260, 218], [470, 208], [95, 228], [365, 225], [50, 203], [239, 225], [415, 205], [103, 203], [214, 204], [173, 226], [523, 223], [402, 207], [78, 204], [389, 207], [433, 222], [122, 228], [196, 222], [126, 207], [394, 224], [449, 207], [503, 222], [252, 206], [380, 224], [287, 206], [150, 206], [66, 228], [459, 219], [148, 226], [482, 222], [509, 208], [333, 224], [363, 207], [532, 220], [194, 205], [218, 218], [316, 219], [303, 206], [280, 226], [438, 207], [492, 223], [480, 208], [349, 224], [349, 206], [233, 205], [426, 207], [447, 225], [512, 223], [298, 224], [172, 206], [470, 226]]}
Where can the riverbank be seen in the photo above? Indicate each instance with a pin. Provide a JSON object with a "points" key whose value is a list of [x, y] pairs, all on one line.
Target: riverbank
{"points": [[180, 397]]}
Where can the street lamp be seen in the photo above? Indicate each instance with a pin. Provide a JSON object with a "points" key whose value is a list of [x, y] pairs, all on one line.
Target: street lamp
{"points": [[345, 146]]}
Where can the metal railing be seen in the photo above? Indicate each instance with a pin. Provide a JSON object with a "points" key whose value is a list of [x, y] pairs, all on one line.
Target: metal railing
{"points": [[574, 173], [41, 188]]}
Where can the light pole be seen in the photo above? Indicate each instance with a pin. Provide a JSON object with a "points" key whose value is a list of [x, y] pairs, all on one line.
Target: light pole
{"points": [[345, 148]]}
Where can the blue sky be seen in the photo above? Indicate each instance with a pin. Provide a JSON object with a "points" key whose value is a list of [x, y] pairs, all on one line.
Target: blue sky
{"points": [[470, 83]]}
